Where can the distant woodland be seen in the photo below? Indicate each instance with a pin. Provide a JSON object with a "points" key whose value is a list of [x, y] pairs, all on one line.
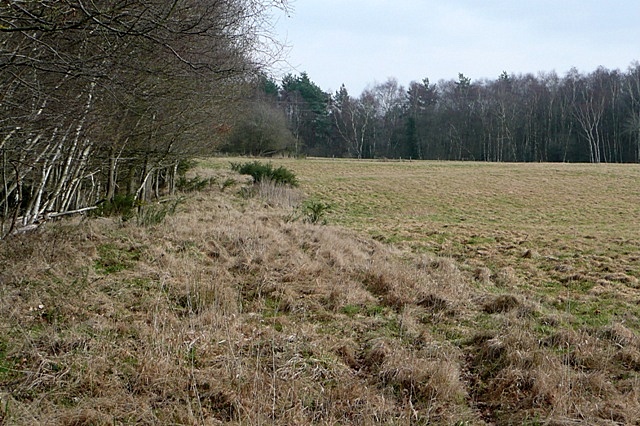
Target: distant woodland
{"points": [[577, 117]]}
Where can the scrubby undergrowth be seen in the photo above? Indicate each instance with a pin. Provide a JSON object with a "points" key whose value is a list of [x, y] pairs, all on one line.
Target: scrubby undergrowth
{"points": [[230, 313]]}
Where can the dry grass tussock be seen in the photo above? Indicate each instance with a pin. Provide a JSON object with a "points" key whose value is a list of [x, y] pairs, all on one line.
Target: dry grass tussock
{"points": [[228, 312]]}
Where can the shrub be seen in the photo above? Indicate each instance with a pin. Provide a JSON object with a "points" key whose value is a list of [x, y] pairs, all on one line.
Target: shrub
{"points": [[227, 183], [120, 205], [185, 165], [314, 212], [155, 213], [311, 211], [128, 208], [196, 183], [261, 171]]}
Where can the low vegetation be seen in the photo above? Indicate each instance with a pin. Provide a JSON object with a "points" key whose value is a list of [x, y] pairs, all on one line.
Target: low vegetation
{"points": [[266, 171], [426, 306]]}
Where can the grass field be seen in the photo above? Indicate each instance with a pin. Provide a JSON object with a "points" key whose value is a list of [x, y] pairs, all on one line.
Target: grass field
{"points": [[563, 237], [439, 293], [548, 229]]}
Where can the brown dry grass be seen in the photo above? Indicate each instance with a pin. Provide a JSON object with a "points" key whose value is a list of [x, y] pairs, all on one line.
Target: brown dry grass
{"points": [[231, 313]]}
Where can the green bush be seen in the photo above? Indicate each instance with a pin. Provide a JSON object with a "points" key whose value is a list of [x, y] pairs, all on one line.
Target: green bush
{"points": [[120, 205], [311, 211], [314, 212], [265, 171], [227, 183], [128, 208], [155, 213], [196, 183], [185, 165]]}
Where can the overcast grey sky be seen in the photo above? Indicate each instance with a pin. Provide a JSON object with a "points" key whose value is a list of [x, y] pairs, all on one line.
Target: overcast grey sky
{"points": [[358, 42]]}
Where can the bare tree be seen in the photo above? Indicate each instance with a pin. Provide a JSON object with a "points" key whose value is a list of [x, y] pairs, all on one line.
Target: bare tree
{"points": [[261, 131], [90, 89], [354, 119], [632, 125], [588, 111], [390, 100]]}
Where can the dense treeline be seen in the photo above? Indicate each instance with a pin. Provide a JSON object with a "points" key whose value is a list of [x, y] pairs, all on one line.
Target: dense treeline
{"points": [[591, 117], [100, 99]]}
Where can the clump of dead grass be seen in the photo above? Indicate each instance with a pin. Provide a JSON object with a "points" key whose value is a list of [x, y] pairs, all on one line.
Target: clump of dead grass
{"points": [[502, 303], [521, 377], [277, 195]]}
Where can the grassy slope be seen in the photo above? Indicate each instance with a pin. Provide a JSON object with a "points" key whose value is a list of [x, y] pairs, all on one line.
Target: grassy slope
{"points": [[227, 313]]}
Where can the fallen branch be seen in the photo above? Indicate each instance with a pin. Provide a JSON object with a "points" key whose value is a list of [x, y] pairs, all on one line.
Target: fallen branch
{"points": [[84, 209], [44, 217]]}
